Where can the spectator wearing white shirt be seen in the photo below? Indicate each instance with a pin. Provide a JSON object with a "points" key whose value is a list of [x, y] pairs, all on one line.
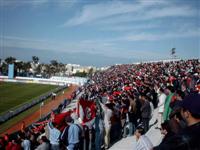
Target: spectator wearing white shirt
{"points": [[25, 144], [44, 144], [107, 122], [54, 135], [161, 103], [142, 141]]}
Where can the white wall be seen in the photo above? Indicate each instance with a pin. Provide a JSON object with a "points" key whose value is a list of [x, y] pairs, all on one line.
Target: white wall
{"points": [[52, 81]]}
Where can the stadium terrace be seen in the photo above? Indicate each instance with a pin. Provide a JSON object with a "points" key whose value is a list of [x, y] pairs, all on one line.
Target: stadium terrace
{"points": [[119, 102]]}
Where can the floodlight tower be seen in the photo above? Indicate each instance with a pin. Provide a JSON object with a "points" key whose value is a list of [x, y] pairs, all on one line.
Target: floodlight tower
{"points": [[173, 52]]}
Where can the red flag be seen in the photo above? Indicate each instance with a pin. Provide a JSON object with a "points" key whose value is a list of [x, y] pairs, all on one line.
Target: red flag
{"points": [[38, 129], [197, 88], [60, 118], [127, 88], [86, 111], [116, 93]]}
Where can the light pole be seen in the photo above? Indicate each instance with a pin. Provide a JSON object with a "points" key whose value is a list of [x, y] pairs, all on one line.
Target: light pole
{"points": [[41, 105]]}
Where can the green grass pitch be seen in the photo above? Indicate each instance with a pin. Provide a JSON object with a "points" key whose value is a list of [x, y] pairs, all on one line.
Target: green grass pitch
{"points": [[12, 95]]}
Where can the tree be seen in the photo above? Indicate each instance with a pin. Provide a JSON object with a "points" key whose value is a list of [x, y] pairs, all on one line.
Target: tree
{"points": [[81, 74], [10, 60], [47, 71], [54, 67], [19, 67], [90, 72], [61, 68], [4, 69], [7, 61], [39, 69], [34, 64], [26, 68], [54, 63], [1, 64], [35, 59]]}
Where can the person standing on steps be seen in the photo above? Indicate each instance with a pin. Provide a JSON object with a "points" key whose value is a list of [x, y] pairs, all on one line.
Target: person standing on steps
{"points": [[161, 102]]}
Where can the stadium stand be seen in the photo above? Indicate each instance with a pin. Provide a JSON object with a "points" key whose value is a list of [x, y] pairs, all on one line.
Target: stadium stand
{"points": [[118, 101]]}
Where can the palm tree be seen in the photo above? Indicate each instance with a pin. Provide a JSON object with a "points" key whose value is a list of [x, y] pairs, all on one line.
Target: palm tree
{"points": [[19, 67], [10, 60], [34, 65], [39, 69], [90, 72], [54, 66], [61, 68], [4, 69], [7, 61], [47, 70], [35, 59], [26, 68]]}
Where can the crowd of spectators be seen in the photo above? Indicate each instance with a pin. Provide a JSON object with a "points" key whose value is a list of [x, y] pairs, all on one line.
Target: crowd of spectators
{"points": [[131, 91], [125, 98]]}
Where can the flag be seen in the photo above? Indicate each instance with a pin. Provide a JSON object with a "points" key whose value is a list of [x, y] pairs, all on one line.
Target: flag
{"points": [[127, 88], [116, 93], [198, 88], [60, 118], [86, 111]]}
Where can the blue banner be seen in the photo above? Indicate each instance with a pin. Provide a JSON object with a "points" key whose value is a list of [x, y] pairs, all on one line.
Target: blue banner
{"points": [[11, 71]]}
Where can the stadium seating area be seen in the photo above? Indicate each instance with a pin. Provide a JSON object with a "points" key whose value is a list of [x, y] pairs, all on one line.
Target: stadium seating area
{"points": [[113, 104]]}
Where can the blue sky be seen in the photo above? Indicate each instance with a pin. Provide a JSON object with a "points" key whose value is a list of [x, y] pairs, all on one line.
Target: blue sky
{"points": [[99, 32]]}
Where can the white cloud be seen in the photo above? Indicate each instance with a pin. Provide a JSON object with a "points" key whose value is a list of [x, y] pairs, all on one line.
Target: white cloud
{"points": [[110, 46], [119, 12], [172, 11], [150, 14], [93, 12], [90, 46], [161, 36], [19, 42], [131, 27], [131, 21], [35, 3], [97, 47], [65, 4], [15, 3]]}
